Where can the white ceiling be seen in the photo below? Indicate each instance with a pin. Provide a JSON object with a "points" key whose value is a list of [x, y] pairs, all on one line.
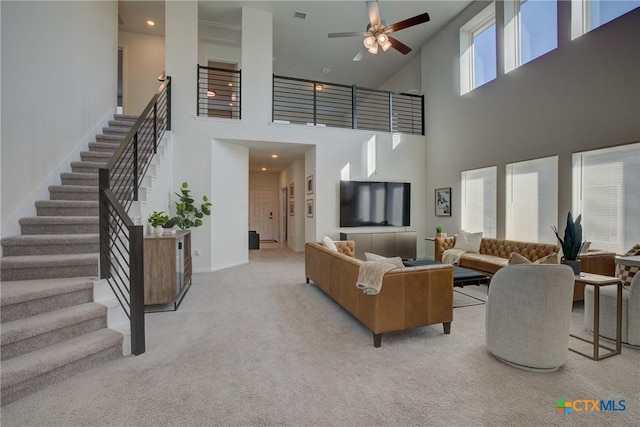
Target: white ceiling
{"points": [[301, 48]]}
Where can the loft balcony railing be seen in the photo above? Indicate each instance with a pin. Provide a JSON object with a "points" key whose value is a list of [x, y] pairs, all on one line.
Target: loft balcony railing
{"points": [[219, 92], [310, 102], [121, 241]]}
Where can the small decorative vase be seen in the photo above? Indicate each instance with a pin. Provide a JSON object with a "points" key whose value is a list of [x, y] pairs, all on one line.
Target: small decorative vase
{"points": [[574, 264], [158, 231]]}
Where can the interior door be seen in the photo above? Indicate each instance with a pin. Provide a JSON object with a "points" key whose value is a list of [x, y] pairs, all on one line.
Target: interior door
{"points": [[261, 218]]}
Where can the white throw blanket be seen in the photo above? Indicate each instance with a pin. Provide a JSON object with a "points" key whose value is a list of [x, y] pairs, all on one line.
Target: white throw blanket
{"points": [[452, 256], [370, 276]]}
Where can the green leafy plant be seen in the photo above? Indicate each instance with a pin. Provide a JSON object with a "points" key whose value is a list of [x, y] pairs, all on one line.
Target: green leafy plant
{"points": [[438, 229], [188, 214], [572, 241], [158, 219]]}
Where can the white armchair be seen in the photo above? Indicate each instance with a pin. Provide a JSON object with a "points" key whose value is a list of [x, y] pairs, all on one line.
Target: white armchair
{"points": [[630, 311], [528, 317]]}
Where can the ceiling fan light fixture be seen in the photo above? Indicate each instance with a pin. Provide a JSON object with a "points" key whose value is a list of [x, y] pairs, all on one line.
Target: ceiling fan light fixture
{"points": [[386, 45], [382, 38], [374, 49], [369, 42]]}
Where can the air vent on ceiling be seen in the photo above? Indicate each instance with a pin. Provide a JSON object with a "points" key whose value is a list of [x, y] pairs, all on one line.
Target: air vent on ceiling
{"points": [[299, 15]]}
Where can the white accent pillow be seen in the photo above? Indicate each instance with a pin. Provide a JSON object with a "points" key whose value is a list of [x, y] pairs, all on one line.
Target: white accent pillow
{"points": [[585, 248], [469, 242], [395, 261], [328, 242]]}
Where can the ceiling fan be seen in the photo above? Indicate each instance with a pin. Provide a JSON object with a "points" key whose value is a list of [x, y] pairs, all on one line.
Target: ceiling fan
{"points": [[377, 33]]}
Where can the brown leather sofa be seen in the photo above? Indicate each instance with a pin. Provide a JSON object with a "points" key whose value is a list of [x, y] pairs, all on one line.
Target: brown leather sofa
{"points": [[411, 297], [494, 254]]}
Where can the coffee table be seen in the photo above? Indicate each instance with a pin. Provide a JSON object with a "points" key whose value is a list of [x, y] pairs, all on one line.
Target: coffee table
{"points": [[597, 281], [461, 276]]}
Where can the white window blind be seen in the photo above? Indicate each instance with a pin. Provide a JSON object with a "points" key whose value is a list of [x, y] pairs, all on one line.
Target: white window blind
{"points": [[606, 192], [479, 202], [532, 200]]}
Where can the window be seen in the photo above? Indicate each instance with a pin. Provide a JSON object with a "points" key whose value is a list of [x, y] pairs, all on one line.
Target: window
{"points": [[531, 30], [479, 205], [532, 200], [606, 193], [478, 50], [587, 15]]}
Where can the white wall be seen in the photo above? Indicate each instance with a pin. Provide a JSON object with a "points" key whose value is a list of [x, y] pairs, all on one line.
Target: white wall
{"points": [[208, 51], [581, 96], [143, 61], [54, 54], [212, 155], [406, 80]]}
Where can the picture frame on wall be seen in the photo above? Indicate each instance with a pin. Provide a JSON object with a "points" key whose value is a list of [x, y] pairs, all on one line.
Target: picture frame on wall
{"points": [[309, 208], [291, 191], [310, 184], [290, 208], [443, 201]]}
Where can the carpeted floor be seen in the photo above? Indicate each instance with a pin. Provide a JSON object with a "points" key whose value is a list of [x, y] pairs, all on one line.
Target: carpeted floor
{"points": [[255, 345]]}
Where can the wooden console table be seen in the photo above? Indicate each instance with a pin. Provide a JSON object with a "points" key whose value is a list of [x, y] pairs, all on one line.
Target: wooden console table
{"points": [[597, 281], [167, 270]]}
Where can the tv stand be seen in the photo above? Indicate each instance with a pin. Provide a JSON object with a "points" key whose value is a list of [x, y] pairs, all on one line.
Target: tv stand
{"points": [[384, 243]]}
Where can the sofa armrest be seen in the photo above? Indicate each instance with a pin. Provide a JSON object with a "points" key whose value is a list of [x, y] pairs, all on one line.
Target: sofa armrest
{"points": [[442, 244]]}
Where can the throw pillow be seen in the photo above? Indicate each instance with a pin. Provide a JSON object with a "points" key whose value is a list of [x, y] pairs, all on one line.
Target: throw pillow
{"points": [[328, 242], [469, 242], [585, 248], [395, 261], [626, 272], [516, 258]]}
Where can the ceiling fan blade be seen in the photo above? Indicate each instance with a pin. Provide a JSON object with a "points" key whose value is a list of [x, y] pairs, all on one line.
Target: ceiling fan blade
{"points": [[374, 12], [351, 34], [419, 19], [399, 46], [359, 55]]}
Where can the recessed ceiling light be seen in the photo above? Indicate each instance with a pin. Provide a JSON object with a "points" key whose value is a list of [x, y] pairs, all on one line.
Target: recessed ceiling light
{"points": [[211, 93], [230, 84], [151, 23], [264, 169], [275, 156], [326, 70], [319, 87]]}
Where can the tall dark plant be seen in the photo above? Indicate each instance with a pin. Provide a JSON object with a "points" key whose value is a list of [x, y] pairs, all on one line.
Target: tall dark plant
{"points": [[572, 241], [188, 214]]}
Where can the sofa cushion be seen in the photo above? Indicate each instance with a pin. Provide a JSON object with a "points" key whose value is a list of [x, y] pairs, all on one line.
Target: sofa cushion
{"points": [[395, 261], [469, 242], [487, 263], [328, 242], [626, 272]]}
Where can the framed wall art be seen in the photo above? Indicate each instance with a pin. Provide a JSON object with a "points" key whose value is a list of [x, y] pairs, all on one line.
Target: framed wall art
{"points": [[290, 208], [443, 201], [310, 184], [309, 208], [291, 192]]}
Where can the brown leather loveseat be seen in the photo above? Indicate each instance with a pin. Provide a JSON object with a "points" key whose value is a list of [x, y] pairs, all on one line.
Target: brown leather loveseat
{"points": [[409, 298], [494, 254]]}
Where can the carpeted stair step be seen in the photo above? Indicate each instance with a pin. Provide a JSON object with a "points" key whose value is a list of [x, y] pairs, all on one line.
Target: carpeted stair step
{"points": [[76, 178], [24, 298], [115, 131], [87, 167], [110, 138], [107, 147], [67, 208], [59, 225], [73, 192], [125, 117], [121, 123], [95, 156], [48, 266], [34, 333], [30, 372], [50, 244]]}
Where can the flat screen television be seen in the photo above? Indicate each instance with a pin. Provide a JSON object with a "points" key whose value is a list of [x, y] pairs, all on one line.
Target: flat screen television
{"points": [[374, 204]]}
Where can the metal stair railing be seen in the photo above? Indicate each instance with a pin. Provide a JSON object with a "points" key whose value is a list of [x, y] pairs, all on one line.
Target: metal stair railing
{"points": [[121, 241]]}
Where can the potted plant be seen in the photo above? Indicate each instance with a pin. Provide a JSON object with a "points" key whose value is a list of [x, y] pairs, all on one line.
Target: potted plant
{"points": [[157, 221], [572, 242], [188, 214], [439, 232]]}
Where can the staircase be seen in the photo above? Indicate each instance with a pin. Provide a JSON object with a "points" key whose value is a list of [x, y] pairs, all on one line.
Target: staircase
{"points": [[51, 328]]}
